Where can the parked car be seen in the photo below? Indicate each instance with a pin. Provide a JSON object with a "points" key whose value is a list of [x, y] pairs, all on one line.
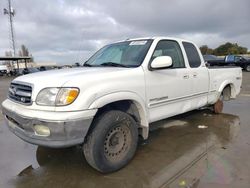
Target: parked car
{"points": [[30, 70], [108, 104], [46, 68], [3, 70], [210, 57], [23, 71], [232, 60]]}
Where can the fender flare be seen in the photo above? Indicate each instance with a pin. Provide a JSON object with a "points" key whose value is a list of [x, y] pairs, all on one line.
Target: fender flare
{"points": [[125, 95], [226, 83]]}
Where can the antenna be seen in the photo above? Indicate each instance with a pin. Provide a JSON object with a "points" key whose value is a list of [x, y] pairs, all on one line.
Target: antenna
{"points": [[11, 13]]}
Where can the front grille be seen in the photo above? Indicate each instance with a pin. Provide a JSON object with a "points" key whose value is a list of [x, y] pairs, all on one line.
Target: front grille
{"points": [[20, 93]]}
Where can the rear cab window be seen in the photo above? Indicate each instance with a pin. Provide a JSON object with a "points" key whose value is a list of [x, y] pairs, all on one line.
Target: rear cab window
{"points": [[194, 59]]}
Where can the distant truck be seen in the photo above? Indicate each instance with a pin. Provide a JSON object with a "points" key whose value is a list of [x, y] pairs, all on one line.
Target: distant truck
{"points": [[106, 105], [233, 60]]}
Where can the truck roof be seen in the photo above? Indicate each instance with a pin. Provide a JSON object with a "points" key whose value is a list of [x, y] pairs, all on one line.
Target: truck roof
{"points": [[156, 38]]}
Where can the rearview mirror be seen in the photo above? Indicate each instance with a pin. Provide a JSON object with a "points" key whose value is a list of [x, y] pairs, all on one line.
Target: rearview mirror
{"points": [[161, 62]]}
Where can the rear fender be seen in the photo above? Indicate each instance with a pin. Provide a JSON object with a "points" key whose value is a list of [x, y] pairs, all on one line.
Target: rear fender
{"points": [[224, 85]]}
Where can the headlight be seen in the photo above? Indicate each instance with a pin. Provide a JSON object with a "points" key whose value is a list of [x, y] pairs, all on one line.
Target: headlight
{"points": [[47, 96], [57, 96], [66, 96]]}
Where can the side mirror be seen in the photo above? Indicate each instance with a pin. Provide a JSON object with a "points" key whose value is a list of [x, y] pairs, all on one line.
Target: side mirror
{"points": [[161, 62]]}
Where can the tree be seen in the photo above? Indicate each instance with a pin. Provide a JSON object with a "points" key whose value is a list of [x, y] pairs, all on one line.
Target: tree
{"points": [[230, 48], [203, 49], [8, 53], [242, 50], [223, 49], [24, 51], [206, 50]]}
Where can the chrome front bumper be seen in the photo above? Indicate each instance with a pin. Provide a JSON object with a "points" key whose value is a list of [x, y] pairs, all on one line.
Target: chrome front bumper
{"points": [[63, 133]]}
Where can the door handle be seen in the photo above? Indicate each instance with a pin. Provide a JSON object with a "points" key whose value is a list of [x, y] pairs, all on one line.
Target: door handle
{"points": [[186, 76], [195, 74]]}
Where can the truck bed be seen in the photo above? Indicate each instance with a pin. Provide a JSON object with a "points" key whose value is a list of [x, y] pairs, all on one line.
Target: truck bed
{"points": [[220, 77]]}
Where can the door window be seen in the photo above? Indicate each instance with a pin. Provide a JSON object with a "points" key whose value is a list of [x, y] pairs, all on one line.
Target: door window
{"points": [[172, 49]]}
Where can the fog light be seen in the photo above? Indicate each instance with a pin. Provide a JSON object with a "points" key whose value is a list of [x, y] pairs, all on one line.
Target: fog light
{"points": [[41, 130]]}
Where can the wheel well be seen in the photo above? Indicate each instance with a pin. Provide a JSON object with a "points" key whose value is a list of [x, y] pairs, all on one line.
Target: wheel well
{"points": [[134, 109], [227, 92], [124, 105]]}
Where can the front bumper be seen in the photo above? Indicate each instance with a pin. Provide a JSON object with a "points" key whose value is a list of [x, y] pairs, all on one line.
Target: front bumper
{"points": [[63, 133]]}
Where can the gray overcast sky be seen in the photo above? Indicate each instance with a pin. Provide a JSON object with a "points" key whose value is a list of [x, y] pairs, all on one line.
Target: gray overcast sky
{"points": [[70, 31]]}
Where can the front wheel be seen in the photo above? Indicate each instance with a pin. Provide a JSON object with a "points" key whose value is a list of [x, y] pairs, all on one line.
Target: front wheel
{"points": [[111, 142]]}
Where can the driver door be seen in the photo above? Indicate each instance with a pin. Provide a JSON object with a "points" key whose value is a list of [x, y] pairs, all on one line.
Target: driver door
{"points": [[168, 89]]}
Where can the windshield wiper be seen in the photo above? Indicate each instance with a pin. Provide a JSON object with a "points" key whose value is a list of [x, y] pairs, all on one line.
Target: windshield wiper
{"points": [[112, 64]]}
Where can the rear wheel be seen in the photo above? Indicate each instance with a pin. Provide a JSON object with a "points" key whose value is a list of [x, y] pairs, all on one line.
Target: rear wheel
{"points": [[112, 141], [218, 106]]}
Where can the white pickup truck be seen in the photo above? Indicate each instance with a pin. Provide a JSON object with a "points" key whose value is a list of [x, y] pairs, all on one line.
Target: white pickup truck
{"points": [[110, 101]]}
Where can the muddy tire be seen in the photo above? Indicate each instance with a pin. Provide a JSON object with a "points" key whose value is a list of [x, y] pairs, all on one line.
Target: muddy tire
{"points": [[111, 142], [218, 106]]}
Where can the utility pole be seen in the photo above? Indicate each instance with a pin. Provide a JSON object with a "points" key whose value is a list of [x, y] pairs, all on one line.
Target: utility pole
{"points": [[11, 13]]}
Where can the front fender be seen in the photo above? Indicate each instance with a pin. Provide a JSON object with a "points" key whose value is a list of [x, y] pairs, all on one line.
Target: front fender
{"points": [[116, 96], [125, 95]]}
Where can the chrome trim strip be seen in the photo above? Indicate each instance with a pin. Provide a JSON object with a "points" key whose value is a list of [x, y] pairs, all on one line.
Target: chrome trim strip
{"points": [[159, 99], [175, 99], [22, 93]]}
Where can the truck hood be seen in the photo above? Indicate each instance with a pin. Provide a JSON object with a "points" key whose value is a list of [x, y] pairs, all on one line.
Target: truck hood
{"points": [[93, 82], [57, 78], [75, 77]]}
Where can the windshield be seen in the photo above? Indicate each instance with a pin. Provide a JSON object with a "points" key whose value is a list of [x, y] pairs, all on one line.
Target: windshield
{"points": [[122, 54]]}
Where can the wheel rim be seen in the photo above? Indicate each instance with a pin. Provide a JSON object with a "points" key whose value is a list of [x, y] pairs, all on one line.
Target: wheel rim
{"points": [[248, 68], [117, 142]]}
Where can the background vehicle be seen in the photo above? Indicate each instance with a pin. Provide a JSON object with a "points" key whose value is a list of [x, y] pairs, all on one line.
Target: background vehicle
{"points": [[23, 71], [30, 70], [3, 70], [45, 68], [212, 58], [110, 102], [233, 60]]}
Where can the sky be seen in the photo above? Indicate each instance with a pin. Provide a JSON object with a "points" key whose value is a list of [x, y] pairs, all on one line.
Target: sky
{"points": [[69, 31]]}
